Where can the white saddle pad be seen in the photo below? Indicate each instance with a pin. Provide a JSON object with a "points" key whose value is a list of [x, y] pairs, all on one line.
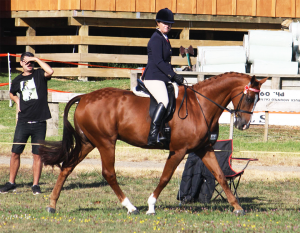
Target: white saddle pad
{"points": [[143, 94]]}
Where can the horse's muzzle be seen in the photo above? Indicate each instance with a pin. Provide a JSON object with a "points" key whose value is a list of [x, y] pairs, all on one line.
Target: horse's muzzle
{"points": [[241, 124]]}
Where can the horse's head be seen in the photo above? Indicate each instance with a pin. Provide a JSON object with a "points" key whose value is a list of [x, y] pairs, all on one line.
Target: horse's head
{"points": [[245, 105]]}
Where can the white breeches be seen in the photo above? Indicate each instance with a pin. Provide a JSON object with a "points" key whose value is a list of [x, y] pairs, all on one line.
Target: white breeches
{"points": [[159, 91]]}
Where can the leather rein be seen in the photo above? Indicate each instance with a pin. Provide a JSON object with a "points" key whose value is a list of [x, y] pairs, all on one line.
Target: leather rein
{"points": [[246, 89]]}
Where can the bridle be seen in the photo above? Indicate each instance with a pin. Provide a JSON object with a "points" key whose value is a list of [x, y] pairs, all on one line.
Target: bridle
{"points": [[235, 111]]}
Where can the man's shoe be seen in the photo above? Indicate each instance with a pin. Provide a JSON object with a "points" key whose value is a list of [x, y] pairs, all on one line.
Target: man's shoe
{"points": [[36, 189], [8, 187]]}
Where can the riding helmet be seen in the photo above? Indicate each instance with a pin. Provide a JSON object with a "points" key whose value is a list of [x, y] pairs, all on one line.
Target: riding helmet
{"points": [[165, 16]]}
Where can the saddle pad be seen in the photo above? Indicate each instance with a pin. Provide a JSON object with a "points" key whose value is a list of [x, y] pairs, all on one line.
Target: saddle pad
{"points": [[141, 93]]}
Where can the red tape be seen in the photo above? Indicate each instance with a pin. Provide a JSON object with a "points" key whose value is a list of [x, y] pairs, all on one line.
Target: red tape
{"points": [[70, 63]]}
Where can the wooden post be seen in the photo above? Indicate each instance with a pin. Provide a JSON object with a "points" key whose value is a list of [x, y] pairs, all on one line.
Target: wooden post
{"points": [[133, 78], [52, 124], [30, 32], [200, 77], [83, 31], [275, 84], [231, 126], [266, 126], [185, 34]]}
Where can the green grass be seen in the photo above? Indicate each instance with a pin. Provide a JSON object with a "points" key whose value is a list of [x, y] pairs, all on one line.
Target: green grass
{"points": [[88, 204]]}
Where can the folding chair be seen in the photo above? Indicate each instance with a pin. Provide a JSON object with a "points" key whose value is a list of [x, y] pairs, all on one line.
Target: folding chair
{"points": [[223, 150]]}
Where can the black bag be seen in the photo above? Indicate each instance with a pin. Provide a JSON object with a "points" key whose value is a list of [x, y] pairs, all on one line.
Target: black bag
{"points": [[198, 183]]}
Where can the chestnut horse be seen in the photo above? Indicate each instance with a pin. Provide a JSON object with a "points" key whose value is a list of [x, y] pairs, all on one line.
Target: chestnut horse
{"points": [[104, 116]]}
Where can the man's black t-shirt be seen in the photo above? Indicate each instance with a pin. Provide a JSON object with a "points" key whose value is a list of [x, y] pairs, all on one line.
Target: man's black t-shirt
{"points": [[33, 96]]}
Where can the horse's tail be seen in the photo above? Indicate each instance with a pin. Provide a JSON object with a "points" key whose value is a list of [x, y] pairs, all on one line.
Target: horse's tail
{"points": [[54, 153]]}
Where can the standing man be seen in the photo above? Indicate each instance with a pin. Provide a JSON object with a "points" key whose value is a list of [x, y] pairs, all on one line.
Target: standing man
{"points": [[33, 111]]}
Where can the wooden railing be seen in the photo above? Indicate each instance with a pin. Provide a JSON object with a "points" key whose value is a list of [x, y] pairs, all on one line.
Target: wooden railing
{"points": [[264, 8]]}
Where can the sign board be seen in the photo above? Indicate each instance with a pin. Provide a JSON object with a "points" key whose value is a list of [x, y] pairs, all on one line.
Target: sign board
{"points": [[283, 107]]}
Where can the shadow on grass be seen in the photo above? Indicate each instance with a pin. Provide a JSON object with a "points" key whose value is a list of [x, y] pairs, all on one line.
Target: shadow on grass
{"points": [[81, 185]]}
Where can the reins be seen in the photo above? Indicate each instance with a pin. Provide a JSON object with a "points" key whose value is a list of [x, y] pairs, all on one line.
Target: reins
{"points": [[220, 106]]}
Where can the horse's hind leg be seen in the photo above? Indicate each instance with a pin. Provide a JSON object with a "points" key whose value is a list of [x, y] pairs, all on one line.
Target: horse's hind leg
{"points": [[212, 164], [65, 172], [108, 171]]}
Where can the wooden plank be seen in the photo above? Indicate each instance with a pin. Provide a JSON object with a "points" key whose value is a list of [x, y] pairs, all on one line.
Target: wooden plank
{"points": [[194, 25], [108, 5], [145, 6], [91, 72], [298, 8], [285, 8], [273, 8], [186, 7], [254, 8], [87, 5], [224, 7], [171, 4], [214, 7], [53, 5], [106, 58], [244, 7], [14, 5], [264, 8], [142, 15], [234, 3], [204, 7], [122, 5], [102, 40], [43, 4], [66, 72]]}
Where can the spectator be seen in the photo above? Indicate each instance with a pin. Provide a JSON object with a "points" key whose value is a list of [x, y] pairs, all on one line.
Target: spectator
{"points": [[33, 111]]}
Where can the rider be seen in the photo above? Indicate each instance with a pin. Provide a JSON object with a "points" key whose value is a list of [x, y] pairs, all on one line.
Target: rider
{"points": [[159, 70]]}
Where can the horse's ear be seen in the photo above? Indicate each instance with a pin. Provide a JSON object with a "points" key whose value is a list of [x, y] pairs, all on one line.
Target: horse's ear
{"points": [[263, 80], [253, 79]]}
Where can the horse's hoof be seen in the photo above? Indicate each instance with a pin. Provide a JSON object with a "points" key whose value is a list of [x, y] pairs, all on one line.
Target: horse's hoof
{"points": [[150, 213], [50, 210], [135, 212], [239, 212]]}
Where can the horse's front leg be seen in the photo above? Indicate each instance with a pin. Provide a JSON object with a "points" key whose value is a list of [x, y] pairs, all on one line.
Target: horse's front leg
{"points": [[108, 171], [210, 161], [172, 162]]}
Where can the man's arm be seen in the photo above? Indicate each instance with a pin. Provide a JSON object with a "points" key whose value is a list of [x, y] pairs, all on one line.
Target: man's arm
{"points": [[48, 70], [16, 99]]}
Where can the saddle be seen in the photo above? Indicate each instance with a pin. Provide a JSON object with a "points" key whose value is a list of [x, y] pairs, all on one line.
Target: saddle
{"points": [[165, 130]]}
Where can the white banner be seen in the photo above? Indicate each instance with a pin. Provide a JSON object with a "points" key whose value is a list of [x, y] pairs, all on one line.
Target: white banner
{"points": [[283, 107]]}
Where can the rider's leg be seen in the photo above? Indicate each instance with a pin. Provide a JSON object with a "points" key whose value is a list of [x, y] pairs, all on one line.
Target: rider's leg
{"points": [[159, 91]]}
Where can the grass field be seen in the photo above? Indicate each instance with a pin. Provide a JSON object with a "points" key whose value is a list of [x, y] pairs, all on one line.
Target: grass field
{"points": [[88, 204]]}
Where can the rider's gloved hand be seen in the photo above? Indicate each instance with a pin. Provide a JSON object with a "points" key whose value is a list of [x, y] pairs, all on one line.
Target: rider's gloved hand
{"points": [[178, 79]]}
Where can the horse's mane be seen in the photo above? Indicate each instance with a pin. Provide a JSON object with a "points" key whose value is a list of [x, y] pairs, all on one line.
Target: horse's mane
{"points": [[213, 79]]}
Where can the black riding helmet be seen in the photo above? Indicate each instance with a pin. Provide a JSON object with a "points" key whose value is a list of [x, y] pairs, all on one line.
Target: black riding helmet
{"points": [[165, 16]]}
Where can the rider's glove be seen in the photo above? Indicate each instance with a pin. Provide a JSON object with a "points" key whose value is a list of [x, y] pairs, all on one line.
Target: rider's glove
{"points": [[178, 79]]}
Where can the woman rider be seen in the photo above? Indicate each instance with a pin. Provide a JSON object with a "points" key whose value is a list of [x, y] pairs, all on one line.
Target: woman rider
{"points": [[159, 70]]}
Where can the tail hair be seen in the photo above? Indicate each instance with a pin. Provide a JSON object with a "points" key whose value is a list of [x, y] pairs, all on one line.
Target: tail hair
{"points": [[54, 153]]}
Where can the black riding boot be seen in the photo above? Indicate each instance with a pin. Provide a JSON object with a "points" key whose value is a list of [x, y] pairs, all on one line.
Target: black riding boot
{"points": [[155, 124]]}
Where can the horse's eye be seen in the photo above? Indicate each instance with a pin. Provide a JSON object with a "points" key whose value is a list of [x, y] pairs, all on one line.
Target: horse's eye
{"points": [[249, 99]]}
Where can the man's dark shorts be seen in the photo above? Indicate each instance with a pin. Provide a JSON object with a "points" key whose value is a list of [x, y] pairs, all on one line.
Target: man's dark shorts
{"points": [[37, 131]]}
